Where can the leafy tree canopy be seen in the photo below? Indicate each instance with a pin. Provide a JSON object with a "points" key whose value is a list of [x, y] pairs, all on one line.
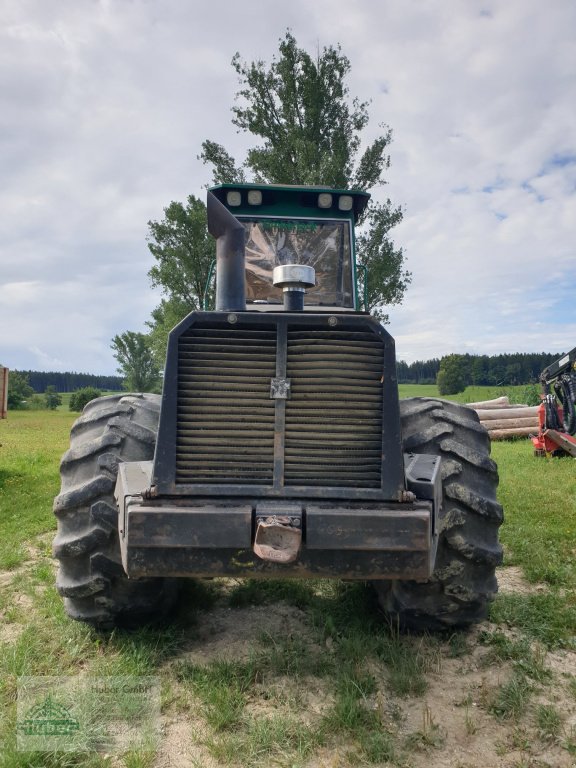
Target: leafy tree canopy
{"points": [[164, 317], [452, 375], [299, 106], [183, 250], [136, 362], [310, 133], [19, 390], [52, 398], [82, 396]]}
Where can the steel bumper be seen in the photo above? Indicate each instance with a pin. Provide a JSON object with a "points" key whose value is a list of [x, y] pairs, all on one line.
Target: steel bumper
{"points": [[184, 537]]}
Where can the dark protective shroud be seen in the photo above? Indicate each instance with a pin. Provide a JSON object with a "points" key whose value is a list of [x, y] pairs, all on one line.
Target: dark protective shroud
{"points": [[230, 266], [280, 406], [269, 415]]}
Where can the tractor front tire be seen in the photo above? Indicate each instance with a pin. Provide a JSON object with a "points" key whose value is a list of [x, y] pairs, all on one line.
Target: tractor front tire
{"points": [[91, 578], [464, 580]]}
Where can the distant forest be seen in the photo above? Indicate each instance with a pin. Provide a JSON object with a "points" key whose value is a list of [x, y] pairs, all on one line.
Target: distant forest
{"points": [[482, 370], [70, 382], [497, 370]]}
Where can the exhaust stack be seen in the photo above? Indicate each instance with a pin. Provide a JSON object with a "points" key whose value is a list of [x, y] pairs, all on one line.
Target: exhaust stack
{"points": [[294, 279], [230, 267]]}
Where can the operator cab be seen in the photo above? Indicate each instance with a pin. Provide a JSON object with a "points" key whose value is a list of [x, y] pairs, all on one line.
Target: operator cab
{"points": [[297, 225]]}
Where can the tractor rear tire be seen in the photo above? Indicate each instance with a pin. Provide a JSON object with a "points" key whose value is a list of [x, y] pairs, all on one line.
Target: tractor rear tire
{"points": [[91, 578], [464, 579]]}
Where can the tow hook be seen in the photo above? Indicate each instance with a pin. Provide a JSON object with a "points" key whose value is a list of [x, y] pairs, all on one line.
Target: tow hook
{"points": [[278, 537]]}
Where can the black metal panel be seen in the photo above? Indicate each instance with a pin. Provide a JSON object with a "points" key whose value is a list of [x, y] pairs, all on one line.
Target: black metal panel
{"points": [[336, 433], [151, 526], [370, 530], [353, 564], [334, 415], [565, 363], [225, 418]]}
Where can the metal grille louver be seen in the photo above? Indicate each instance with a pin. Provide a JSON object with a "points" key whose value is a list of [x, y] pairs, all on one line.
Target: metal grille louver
{"points": [[225, 422], [334, 415]]}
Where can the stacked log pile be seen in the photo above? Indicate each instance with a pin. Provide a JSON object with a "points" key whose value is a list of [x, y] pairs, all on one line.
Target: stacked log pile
{"points": [[503, 420]]}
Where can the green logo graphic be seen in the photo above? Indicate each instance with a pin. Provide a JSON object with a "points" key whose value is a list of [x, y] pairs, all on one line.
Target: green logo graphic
{"points": [[87, 714], [48, 719]]}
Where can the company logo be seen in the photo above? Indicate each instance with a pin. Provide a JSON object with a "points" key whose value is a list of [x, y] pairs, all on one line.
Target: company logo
{"points": [[109, 714], [48, 718]]}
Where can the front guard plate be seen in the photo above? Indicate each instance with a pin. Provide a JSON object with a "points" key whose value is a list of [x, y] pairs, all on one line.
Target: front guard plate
{"points": [[218, 537]]}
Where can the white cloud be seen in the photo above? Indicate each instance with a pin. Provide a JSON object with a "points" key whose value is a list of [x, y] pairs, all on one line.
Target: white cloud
{"points": [[104, 105]]}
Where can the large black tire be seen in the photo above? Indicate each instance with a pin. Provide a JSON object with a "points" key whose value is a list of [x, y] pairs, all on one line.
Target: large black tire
{"points": [[90, 577], [464, 580]]}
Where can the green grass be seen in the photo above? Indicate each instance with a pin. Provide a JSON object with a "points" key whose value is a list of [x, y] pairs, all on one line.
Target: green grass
{"points": [[549, 722], [32, 445], [527, 657], [418, 390], [549, 618], [516, 394], [512, 698], [539, 499], [365, 669]]}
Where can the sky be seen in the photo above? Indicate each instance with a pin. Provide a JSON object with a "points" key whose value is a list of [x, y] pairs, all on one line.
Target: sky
{"points": [[104, 105]]}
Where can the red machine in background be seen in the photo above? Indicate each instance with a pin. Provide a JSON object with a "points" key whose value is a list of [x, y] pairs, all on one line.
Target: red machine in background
{"points": [[557, 413]]}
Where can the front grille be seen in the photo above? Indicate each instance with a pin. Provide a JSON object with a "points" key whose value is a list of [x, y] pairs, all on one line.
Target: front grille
{"points": [[334, 416], [327, 434], [225, 418]]}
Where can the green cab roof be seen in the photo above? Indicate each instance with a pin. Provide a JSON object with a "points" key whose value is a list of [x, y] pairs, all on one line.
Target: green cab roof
{"points": [[286, 200]]}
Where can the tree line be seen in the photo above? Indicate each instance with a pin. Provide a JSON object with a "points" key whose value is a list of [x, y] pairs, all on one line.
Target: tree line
{"points": [[480, 370], [418, 372], [69, 382], [456, 372]]}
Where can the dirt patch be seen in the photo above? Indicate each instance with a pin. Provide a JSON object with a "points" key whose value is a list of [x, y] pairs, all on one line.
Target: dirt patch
{"points": [[6, 578], [9, 631], [455, 713], [450, 726], [12, 626], [182, 744], [512, 580], [235, 633]]}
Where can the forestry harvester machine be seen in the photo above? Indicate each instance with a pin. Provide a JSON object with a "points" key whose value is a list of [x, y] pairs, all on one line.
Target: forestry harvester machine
{"points": [[279, 446], [557, 413]]}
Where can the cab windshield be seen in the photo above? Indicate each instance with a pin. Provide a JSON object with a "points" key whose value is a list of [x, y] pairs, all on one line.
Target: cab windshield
{"points": [[322, 244]]}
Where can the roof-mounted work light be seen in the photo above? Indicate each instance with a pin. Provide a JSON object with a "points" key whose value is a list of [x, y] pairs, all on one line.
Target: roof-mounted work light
{"points": [[254, 197], [233, 198]]}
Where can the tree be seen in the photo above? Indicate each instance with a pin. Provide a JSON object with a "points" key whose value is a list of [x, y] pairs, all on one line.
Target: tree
{"points": [[310, 128], [164, 317], [184, 253], [19, 390], [382, 278], [80, 398], [136, 362], [452, 375], [52, 398], [300, 108], [183, 250]]}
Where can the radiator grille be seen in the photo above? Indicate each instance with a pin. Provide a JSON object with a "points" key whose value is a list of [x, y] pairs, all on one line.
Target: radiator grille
{"points": [[328, 433], [225, 421], [334, 415]]}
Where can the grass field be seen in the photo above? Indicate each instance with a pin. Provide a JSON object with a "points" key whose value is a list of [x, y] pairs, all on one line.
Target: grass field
{"points": [[309, 674], [516, 394]]}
